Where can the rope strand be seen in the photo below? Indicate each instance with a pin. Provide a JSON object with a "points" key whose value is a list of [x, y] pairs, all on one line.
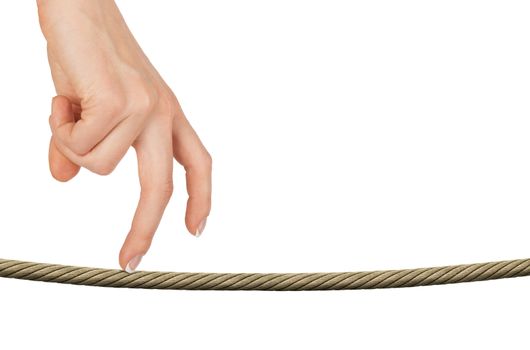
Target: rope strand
{"points": [[264, 281]]}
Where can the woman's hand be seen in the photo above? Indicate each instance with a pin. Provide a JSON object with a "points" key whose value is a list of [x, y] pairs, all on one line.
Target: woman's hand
{"points": [[110, 97]]}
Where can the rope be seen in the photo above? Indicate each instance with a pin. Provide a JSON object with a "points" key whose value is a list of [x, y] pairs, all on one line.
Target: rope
{"points": [[264, 281]]}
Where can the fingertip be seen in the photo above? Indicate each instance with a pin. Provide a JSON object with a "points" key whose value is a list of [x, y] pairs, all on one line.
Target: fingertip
{"points": [[60, 99], [61, 168], [196, 217], [189, 226], [64, 176], [132, 265], [132, 251]]}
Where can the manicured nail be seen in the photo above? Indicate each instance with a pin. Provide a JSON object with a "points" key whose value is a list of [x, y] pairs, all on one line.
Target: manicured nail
{"points": [[133, 264], [201, 227]]}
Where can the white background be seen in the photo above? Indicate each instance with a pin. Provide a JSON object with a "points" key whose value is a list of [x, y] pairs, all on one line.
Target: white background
{"points": [[345, 136]]}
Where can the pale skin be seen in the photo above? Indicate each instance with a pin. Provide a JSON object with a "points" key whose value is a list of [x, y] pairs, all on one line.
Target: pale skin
{"points": [[110, 98]]}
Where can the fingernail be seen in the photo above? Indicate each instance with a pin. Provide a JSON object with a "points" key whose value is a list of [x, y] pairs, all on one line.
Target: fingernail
{"points": [[201, 227], [133, 264]]}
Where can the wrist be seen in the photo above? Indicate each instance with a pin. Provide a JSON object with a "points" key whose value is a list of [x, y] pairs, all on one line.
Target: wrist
{"points": [[60, 6], [75, 12], [44, 2]]}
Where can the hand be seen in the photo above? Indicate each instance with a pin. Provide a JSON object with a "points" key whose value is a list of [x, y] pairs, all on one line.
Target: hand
{"points": [[110, 97]]}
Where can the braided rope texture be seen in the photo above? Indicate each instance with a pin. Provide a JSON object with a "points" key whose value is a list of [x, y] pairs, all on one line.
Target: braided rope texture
{"points": [[264, 281]]}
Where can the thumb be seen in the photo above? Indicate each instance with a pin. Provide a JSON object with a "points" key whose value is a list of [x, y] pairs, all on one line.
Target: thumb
{"points": [[61, 168]]}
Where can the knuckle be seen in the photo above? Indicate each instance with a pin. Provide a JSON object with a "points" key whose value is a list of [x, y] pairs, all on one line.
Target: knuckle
{"points": [[166, 189], [162, 189], [143, 101], [209, 159], [168, 104], [202, 163], [137, 99], [206, 161], [142, 98], [102, 167], [74, 144], [79, 149], [112, 102]]}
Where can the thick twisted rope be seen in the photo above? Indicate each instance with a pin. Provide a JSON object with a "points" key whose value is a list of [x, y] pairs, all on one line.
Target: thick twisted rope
{"points": [[264, 282]]}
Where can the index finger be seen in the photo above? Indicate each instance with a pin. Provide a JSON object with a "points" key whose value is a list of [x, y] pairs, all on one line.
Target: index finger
{"points": [[155, 170]]}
